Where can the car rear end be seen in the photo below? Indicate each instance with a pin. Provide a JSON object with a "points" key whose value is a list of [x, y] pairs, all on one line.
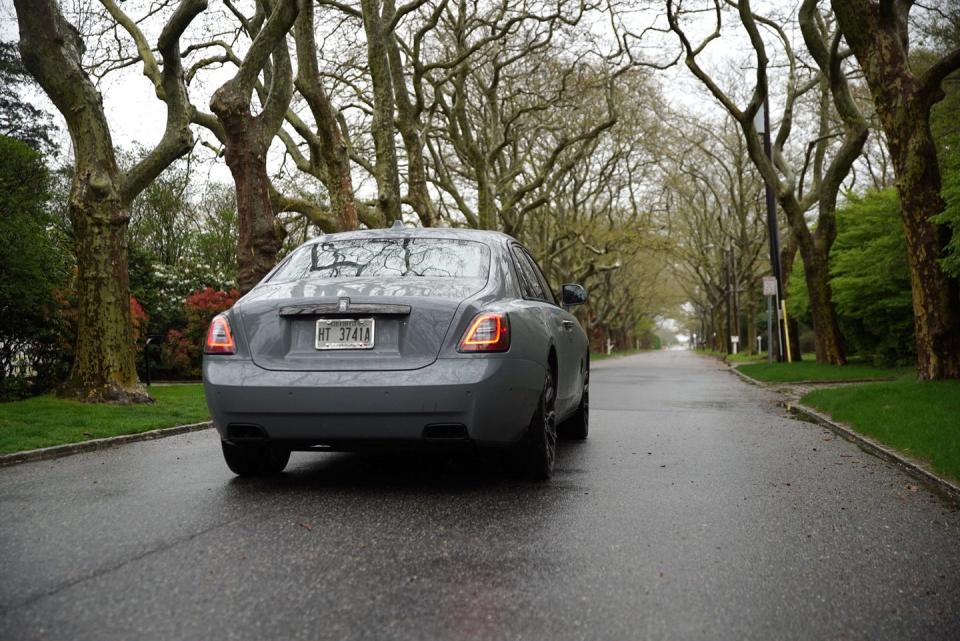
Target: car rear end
{"points": [[325, 354]]}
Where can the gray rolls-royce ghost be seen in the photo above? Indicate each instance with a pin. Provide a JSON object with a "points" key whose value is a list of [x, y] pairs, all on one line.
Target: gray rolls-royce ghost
{"points": [[401, 336]]}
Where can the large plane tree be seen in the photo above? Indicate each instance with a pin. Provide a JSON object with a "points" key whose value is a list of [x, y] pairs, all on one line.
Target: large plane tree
{"points": [[104, 369]]}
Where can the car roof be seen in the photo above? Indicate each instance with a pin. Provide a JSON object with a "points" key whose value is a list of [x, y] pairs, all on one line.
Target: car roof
{"points": [[481, 235]]}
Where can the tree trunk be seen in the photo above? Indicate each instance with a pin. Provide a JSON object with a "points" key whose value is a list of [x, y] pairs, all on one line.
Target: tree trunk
{"points": [[247, 139], [387, 173], [104, 366], [788, 257], [260, 236], [410, 127], [826, 331], [719, 328], [752, 317], [878, 36], [331, 148], [936, 296]]}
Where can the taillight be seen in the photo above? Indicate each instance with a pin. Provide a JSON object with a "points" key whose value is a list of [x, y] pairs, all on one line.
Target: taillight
{"points": [[489, 332], [219, 337]]}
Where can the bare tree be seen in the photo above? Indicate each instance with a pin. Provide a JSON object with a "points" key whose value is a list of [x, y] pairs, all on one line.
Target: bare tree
{"points": [[825, 174], [328, 143], [511, 113], [104, 369], [717, 206]]}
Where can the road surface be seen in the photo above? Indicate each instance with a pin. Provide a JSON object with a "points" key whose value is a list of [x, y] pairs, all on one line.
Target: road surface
{"points": [[696, 510]]}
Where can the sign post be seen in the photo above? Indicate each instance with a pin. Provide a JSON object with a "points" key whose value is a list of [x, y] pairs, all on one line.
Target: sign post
{"points": [[770, 291]]}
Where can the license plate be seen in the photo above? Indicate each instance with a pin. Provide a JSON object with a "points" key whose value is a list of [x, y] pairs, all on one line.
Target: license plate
{"points": [[344, 333]]}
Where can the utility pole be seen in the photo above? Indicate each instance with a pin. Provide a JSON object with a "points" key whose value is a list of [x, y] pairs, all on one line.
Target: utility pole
{"points": [[734, 300], [762, 124]]}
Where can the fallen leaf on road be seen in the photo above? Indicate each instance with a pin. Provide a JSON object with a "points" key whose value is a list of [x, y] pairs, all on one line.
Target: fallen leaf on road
{"points": [[306, 526], [912, 488]]}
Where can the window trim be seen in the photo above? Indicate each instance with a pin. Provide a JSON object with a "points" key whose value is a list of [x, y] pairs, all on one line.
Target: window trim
{"points": [[537, 272]]}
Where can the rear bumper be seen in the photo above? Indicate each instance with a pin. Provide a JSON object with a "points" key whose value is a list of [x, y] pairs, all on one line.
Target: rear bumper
{"points": [[492, 398]]}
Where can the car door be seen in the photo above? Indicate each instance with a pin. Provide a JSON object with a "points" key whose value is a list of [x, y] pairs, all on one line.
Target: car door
{"points": [[558, 323], [573, 340]]}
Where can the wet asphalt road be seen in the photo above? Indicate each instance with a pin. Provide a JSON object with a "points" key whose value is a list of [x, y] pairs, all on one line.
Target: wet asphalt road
{"points": [[696, 510]]}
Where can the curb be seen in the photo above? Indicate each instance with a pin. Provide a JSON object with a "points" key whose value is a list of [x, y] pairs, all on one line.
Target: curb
{"points": [[58, 451], [940, 485], [915, 469], [771, 384], [911, 467], [745, 378]]}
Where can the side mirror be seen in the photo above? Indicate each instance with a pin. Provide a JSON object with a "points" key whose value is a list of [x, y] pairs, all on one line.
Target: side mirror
{"points": [[572, 294]]}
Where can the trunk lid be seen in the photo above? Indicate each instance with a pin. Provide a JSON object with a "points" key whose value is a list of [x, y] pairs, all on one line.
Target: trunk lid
{"points": [[411, 318]]}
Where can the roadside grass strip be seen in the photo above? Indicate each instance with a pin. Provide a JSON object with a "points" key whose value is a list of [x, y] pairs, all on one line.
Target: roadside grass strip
{"points": [[812, 371], [44, 421], [740, 357], [921, 420]]}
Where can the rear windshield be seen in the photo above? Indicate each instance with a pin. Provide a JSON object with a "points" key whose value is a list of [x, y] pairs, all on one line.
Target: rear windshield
{"points": [[388, 258]]}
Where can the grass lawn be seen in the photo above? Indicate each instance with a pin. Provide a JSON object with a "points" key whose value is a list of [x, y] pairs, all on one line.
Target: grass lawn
{"points": [[919, 419], [739, 357], [813, 371], [43, 421]]}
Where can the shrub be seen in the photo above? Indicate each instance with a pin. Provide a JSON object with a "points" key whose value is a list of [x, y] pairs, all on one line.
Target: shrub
{"points": [[182, 350]]}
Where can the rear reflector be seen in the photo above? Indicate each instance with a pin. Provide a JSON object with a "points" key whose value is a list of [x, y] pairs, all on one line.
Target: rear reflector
{"points": [[489, 332], [219, 337]]}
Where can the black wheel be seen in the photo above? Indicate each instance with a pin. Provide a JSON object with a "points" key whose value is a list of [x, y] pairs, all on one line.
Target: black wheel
{"points": [[255, 460], [577, 427], [539, 449]]}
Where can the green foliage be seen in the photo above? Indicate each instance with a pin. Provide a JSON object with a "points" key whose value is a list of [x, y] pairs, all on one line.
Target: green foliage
{"points": [[183, 348], [18, 118], [798, 299], [919, 419], [33, 268], [180, 242], [871, 279], [44, 421], [946, 131]]}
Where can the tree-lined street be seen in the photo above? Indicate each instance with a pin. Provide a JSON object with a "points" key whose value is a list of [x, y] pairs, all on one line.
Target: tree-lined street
{"points": [[697, 509]]}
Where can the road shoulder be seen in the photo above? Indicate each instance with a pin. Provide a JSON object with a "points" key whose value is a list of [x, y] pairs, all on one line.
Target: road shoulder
{"points": [[58, 451]]}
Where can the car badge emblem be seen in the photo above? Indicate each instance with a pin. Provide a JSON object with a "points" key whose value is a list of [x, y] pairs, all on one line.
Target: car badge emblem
{"points": [[344, 304]]}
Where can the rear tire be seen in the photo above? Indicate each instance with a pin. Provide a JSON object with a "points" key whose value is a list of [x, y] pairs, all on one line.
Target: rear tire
{"points": [[539, 447], [577, 427], [255, 460]]}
